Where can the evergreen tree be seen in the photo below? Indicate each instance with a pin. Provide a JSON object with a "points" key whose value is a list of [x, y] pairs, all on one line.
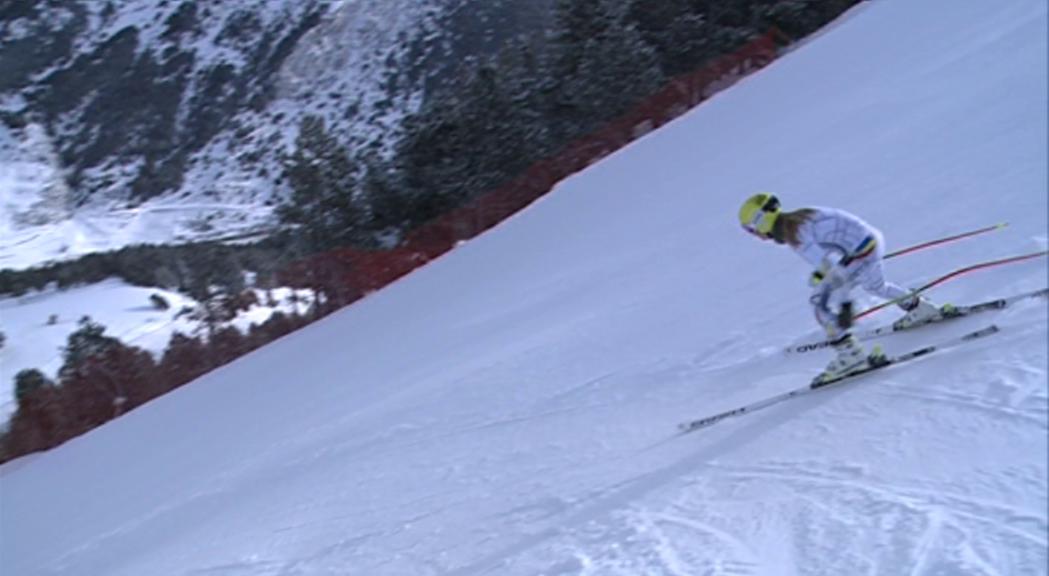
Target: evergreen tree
{"points": [[216, 273], [40, 422], [600, 63], [678, 32], [101, 377], [85, 342], [29, 381], [480, 136], [385, 201], [528, 84], [435, 158], [509, 116], [797, 18], [226, 345], [184, 359], [323, 179]]}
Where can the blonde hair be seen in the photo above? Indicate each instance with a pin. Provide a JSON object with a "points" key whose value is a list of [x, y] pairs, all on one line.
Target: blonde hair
{"points": [[788, 223]]}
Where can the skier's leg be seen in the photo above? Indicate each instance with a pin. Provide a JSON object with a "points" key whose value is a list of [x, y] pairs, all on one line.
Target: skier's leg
{"points": [[849, 355], [919, 310], [872, 277], [825, 306]]}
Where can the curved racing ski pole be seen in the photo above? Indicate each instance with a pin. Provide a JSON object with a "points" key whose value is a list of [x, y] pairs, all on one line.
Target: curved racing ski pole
{"points": [[949, 276]]}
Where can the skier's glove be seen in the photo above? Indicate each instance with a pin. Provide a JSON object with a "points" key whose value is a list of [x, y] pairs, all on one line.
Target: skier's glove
{"points": [[845, 316], [816, 278]]}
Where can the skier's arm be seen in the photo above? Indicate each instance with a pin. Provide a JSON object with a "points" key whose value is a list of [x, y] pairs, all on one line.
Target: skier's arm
{"points": [[831, 238], [820, 257]]}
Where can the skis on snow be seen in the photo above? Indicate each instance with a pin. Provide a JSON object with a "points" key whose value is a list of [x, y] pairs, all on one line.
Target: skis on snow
{"points": [[945, 315], [694, 425]]}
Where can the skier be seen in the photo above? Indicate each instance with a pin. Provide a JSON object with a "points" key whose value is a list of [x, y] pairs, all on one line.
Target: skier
{"points": [[846, 252]]}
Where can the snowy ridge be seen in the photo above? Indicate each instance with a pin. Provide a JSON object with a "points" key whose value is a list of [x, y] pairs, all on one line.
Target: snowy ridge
{"points": [[34, 192], [330, 49], [510, 408], [341, 64]]}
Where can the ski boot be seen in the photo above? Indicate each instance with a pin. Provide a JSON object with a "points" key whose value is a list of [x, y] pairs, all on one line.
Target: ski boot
{"points": [[919, 311], [850, 357], [877, 357]]}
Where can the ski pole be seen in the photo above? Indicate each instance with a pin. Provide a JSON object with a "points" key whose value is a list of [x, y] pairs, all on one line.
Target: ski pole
{"points": [[950, 275], [931, 243]]}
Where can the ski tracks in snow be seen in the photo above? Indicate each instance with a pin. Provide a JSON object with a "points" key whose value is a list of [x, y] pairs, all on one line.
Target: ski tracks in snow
{"points": [[867, 506], [932, 530], [769, 493]]}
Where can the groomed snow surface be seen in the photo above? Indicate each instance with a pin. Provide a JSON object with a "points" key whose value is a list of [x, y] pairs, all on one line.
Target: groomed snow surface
{"points": [[511, 408]]}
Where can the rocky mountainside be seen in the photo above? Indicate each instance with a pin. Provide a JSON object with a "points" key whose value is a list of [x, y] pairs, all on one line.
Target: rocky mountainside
{"points": [[127, 121]]}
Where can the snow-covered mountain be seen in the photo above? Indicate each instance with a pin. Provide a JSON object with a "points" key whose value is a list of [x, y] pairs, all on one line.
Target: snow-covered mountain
{"points": [[511, 407], [168, 119]]}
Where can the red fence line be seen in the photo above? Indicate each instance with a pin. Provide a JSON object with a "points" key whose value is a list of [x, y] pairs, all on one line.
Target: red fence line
{"points": [[347, 274]]}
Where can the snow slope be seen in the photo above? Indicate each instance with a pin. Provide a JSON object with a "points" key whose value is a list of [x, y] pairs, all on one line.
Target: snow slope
{"points": [[510, 409]]}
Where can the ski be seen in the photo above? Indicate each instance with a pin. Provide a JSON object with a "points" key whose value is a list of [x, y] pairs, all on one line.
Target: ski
{"points": [[694, 425], [949, 314]]}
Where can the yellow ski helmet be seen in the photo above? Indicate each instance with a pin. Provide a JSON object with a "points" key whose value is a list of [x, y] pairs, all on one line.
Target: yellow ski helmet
{"points": [[759, 213]]}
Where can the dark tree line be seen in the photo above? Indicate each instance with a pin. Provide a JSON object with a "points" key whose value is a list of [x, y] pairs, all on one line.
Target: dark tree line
{"points": [[197, 269], [503, 113]]}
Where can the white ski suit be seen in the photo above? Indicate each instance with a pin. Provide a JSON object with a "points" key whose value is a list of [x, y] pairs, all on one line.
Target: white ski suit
{"points": [[848, 252]]}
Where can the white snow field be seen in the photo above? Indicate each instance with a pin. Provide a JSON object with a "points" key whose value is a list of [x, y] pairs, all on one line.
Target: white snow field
{"points": [[33, 341], [511, 409]]}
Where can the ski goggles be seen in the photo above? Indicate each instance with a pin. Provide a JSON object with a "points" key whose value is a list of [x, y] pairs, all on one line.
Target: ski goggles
{"points": [[754, 225]]}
